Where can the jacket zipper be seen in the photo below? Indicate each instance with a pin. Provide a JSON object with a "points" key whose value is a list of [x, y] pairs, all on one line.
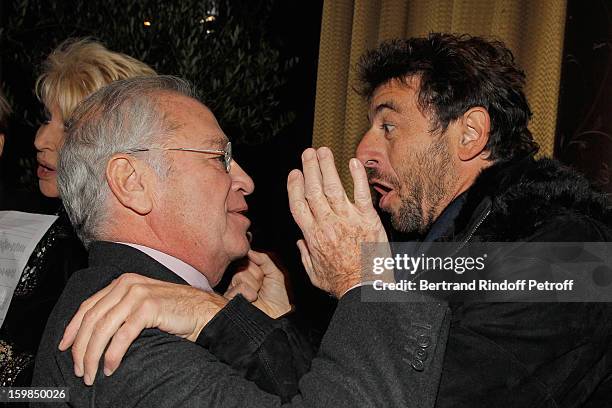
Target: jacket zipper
{"points": [[469, 237]]}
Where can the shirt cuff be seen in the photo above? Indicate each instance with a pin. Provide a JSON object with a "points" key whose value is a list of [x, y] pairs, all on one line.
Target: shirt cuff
{"points": [[360, 284]]}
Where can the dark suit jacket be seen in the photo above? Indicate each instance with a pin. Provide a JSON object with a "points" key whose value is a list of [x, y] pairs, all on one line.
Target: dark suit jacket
{"points": [[365, 358]]}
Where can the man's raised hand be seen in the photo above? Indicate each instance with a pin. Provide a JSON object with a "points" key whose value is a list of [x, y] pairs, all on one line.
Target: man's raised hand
{"points": [[333, 227]]}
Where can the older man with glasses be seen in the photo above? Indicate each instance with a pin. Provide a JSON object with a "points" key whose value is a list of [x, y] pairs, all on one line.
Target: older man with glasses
{"points": [[149, 183]]}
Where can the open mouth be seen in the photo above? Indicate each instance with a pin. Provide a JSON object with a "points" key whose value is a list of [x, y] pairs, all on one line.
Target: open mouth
{"points": [[382, 192], [381, 189], [244, 213]]}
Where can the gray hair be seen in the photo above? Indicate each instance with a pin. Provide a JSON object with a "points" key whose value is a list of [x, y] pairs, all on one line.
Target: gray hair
{"points": [[118, 118]]}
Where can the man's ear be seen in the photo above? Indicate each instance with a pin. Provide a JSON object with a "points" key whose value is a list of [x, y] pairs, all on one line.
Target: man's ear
{"points": [[130, 182], [1, 143], [476, 126]]}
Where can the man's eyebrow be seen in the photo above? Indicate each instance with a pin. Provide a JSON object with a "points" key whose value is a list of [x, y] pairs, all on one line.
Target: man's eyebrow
{"points": [[218, 141], [381, 107], [387, 105]]}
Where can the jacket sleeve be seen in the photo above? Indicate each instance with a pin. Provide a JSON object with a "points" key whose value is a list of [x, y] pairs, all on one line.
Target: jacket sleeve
{"points": [[270, 352], [379, 350]]}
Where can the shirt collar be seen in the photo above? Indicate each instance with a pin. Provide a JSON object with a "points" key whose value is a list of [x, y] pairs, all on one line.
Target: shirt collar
{"points": [[185, 271]]}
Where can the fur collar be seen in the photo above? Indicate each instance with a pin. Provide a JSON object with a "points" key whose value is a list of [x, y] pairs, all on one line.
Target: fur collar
{"points": [[523, 194]]}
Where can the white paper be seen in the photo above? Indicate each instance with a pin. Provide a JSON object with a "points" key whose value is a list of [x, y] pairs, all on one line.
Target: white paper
{"points": [[19, 234]]}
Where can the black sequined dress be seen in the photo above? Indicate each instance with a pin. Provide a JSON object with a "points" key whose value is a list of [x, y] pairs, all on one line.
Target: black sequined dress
{"points": [[58, 254]]}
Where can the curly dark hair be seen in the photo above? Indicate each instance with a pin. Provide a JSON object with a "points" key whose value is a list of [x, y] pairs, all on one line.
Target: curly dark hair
{"points": [[458, 72]]}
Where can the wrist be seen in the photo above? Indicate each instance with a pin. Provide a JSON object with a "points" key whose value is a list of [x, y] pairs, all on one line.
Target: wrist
{"points": [[344, 286], [207, 307], [273, 310], [277, 312]]}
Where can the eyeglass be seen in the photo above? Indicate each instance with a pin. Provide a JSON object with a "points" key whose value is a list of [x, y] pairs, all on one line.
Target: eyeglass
{"points": [[226, 153]]}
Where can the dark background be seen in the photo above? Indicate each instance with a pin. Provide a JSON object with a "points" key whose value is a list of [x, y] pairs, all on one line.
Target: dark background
{"points": [[584, 126]]}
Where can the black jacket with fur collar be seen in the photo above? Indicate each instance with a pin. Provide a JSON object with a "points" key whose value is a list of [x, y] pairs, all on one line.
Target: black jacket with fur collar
{"points": [[521, 200], [529, 354]]}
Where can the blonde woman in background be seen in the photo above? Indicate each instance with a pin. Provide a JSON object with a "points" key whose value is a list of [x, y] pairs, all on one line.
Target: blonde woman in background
{"points": [[76, 69], [73, 71]]}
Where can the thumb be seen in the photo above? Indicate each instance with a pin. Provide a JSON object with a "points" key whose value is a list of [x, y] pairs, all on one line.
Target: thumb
{"points": [[306, 259], [264, 262], [361, 188]]}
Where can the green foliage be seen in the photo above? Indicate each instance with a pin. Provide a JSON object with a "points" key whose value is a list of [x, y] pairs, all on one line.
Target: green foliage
{"points": [[232, 60]]}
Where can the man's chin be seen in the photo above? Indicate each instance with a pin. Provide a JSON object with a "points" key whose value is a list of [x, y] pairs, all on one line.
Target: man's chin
{"points": [[407, 224], [244, 246]]}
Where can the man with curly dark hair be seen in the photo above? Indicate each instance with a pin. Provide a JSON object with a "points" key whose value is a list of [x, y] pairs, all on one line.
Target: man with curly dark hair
{"points": [[422, 93], [452, 159]]}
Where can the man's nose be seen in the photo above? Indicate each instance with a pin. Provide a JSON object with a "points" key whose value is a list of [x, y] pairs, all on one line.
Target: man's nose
{"points": [[369, 151], [241, 180]]}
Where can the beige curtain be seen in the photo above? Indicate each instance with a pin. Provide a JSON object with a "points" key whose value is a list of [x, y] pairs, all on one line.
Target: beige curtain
{"points": [[533, 30]]}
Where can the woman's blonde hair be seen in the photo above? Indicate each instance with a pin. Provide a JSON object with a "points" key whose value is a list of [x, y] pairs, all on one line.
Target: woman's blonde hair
{"points": [[78, 68]]}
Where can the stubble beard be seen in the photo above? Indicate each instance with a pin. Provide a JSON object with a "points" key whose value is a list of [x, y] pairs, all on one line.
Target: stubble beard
{"points": [[424, 188]]}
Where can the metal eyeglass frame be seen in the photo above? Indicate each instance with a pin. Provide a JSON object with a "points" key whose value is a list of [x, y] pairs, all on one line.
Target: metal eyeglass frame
{"points": [[226, 153]]}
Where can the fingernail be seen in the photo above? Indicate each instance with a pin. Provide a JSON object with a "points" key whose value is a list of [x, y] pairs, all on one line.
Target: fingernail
{"points": [[308, 154], [294, 175], [61, 345], [108, 372], [323, 152], [354, 163], [78, 371], [88, 379]]}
